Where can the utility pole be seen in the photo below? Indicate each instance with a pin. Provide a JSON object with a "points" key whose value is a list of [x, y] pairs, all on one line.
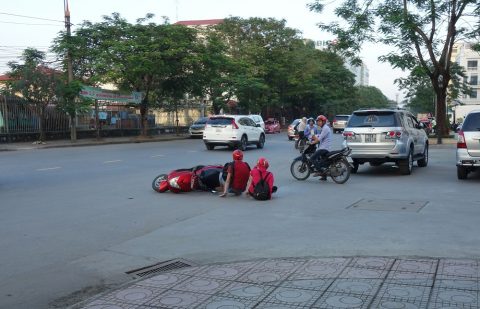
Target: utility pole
{"points": [[73, 118]]}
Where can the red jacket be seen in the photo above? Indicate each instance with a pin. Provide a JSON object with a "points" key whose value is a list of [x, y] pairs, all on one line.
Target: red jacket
{"points": [[255, 173], [241, 172]]}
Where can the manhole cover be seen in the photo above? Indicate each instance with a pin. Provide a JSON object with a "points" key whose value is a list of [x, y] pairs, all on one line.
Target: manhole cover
{"points": [[389, 205], [160, 267]]}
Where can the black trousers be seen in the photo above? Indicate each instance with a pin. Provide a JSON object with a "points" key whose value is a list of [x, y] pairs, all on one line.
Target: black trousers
{"points": [[318, 158]]}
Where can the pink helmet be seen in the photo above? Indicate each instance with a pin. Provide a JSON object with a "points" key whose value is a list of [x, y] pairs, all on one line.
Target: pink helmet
{"points": [[237, 155], [322, 118], [262, 162]]}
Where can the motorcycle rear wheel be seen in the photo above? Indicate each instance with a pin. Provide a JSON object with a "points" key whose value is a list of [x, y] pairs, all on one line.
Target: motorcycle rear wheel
{"points": [[157, 180], [340, 171], [300, 170]]}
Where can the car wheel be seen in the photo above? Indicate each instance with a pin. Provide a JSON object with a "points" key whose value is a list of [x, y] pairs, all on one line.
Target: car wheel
{"points": [[406, 165], [209, 146], [461, 172], [261, 142], [243, 143], [423, 162]]}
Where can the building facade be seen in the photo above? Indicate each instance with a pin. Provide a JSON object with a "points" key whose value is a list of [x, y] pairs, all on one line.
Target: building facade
{"points": [[470, 60]]}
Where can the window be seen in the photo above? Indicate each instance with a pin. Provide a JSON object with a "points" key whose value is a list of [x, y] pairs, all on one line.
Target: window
{"points": [[373, 119], [473, 80], [472, 64], [473, 94]]}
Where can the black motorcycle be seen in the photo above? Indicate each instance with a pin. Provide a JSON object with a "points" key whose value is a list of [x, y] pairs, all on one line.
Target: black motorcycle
{"points": [[338, 167]]}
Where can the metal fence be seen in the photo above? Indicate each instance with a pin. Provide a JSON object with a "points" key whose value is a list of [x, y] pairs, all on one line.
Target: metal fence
{"points": [[20, 121]]}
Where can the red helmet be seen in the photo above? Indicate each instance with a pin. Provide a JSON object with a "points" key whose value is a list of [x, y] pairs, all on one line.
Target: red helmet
{"points": [[237, 155], [322, 118], [262, 162]]}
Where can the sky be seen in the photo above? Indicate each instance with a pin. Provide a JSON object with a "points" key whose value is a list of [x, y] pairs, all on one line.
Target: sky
{"points": [[20, 32]]}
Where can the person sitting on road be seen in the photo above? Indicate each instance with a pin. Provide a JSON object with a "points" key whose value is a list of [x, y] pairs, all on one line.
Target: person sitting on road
{"points": [[323, 140], [311, 129], [237, 173], [255, 188]]}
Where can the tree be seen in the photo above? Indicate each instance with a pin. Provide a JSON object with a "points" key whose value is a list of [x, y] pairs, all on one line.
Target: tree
{"points": [[35, 81], [370, 97], [422, 32]]}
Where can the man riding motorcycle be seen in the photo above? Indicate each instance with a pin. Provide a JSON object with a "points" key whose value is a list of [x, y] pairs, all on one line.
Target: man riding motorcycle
{"points": [[324, 140]]}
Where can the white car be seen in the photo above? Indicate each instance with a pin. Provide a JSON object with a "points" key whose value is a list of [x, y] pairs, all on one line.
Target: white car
{"points": [[258, 120], [234, 131]]}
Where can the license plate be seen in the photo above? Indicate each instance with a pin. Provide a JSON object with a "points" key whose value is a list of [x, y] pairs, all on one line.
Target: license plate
{"points": [[370, 138], [218, 130]]}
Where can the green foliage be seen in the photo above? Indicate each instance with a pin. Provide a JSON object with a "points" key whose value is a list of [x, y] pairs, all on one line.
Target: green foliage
{"points": [[422, 34]]}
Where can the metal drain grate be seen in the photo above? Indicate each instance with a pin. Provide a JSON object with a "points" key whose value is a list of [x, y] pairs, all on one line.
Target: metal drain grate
{"points": [[160, 267], [389, 205]]}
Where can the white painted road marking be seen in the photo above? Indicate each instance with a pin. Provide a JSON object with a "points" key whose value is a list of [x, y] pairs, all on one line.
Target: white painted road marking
{"points": [[48, 168], [113, 161], [156, 156]]}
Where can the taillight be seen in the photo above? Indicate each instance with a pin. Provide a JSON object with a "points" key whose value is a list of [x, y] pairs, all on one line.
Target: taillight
{"points": [[461, 140], [394, 134], [234, 124], [348, 134]]}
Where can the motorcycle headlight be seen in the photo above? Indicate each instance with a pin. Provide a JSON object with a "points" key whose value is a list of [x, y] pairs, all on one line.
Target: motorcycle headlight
{"points": [[173, 183]]}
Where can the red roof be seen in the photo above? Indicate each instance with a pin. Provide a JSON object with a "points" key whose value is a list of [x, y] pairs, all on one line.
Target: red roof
{"points": [[204, 22], [4, 78]]}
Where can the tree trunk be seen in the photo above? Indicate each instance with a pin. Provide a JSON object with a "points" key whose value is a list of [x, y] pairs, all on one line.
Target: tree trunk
{"points": [[73, 128], [143, 118], [441, 115]]}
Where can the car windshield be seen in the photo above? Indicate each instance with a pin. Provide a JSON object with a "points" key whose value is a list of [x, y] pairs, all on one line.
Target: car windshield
{"points": [[269, 122], [201, 121], [220, 121], [472, 122], [373, 119], [341, 118]]}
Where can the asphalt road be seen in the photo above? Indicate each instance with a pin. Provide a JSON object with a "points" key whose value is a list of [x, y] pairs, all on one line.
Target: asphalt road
{"points": [[74, 220]]}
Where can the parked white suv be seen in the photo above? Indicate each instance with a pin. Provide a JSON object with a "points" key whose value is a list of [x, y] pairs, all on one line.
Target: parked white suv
{"points": [[468, 145], [234, 131]]}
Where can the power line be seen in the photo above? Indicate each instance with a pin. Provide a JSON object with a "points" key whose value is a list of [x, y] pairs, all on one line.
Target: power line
{"points": [[39, 18], [11, 22]]}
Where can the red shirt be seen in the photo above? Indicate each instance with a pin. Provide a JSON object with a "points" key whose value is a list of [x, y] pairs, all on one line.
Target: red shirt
{"points": [[255, 173], [241, 172]]}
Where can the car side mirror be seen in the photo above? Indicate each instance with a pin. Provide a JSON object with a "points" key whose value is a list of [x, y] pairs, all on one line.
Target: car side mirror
{"points": [[421, 125], [258, 125]]}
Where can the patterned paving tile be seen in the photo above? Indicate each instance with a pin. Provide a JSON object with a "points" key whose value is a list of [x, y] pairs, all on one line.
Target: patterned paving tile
{"points": [[165, 280], [406, 293], [188, 270], [416, 266], [317, 270], [458, 262], [100, 304], [225, 302], [135, 295], [340, 261], [363, 273], [248, 291], [289, 296], [308, 284], [409, 278], [283, 265], [458, 284], [454, 298], [224, 272], [372, 262], [355, 286], [340, 300], [466, 271], [385, 303], [264, 305], [201, 285], [264, 276], [178, 300]]}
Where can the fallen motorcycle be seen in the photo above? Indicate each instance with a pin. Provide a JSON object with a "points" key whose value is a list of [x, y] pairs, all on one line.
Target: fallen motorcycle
{"points": [[200, 177], [338, 166]]}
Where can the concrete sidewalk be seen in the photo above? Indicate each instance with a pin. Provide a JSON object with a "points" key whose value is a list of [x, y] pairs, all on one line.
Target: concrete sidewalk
{"points": [[339, 282], [90, 142]]}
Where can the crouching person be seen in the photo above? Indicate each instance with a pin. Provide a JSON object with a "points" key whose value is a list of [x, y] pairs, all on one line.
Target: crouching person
{"points": [[237, 173], [260, 183]]}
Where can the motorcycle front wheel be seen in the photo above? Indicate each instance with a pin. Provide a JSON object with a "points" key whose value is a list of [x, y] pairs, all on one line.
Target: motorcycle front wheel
{"points": [[157, 180], [299, 170], [340, 171]]}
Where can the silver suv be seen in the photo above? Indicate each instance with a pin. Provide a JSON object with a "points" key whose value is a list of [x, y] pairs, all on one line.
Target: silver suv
{"points": [[468, 145], [378, 136]]}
